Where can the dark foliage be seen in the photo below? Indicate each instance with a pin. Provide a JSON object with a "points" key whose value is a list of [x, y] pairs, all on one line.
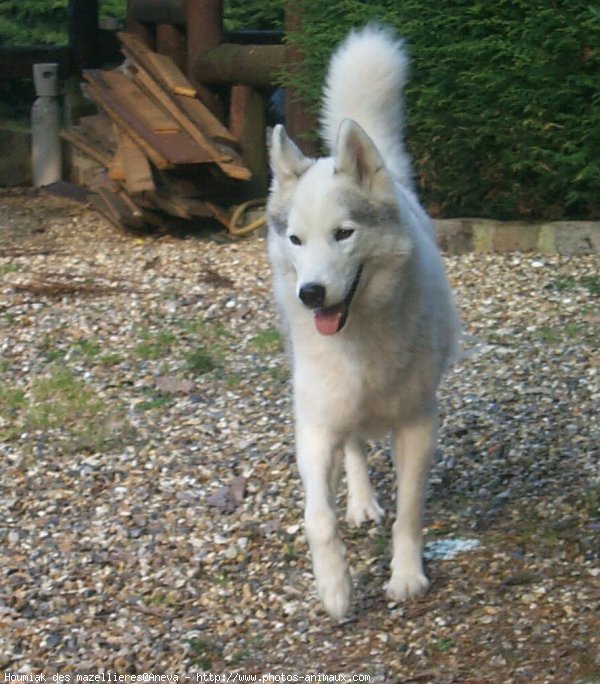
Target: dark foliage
{"points": [[503, 101]]}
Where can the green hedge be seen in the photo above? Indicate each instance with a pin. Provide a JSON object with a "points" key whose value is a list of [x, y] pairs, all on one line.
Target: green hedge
{"points": [[43, 22], [503, 104]]}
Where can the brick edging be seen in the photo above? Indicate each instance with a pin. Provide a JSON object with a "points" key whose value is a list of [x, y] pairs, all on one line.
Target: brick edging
{"points": [[457, 236]]}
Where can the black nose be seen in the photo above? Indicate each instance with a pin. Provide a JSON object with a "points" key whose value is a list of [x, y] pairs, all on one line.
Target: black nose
{"points": [[312, 295]]}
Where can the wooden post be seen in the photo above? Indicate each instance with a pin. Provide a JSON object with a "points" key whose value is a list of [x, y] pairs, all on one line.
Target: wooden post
{"points": [[204, 25], [204, 21], [170, 41], [84, 47], [300, 123], [247, 122], [159, 11], [255, 65], [142, 31]]}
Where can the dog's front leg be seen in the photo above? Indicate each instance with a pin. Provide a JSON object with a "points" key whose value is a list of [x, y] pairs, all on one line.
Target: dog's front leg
{"points": [[317, 454], [413, 448]]}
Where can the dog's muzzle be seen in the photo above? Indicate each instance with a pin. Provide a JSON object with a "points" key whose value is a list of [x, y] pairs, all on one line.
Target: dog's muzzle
{"points": [[312, 295], [329, 319]]}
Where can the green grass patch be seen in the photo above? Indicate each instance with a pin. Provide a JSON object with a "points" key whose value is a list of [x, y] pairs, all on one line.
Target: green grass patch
{"points": [[591, 501], [268, 341], [549, 335], [12, 399], [443, 645], [201, 361], [381, 543], [53, 355], [88, 348], [562, 284], [161, 599], [290, 552], [110, 359], [279, 374], [234, 380], [155, 346], [246, 652], [566, 283], [200, 326], [592, 284], [155, 400], [63, 410], [204, 652], [9, 268]]}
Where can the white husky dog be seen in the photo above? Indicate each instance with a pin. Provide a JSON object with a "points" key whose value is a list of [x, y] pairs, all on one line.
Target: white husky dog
{"points": [[366, 308]]}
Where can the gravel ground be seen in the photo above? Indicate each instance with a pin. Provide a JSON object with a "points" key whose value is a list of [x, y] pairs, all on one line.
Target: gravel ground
{"points": [[150, 508]]}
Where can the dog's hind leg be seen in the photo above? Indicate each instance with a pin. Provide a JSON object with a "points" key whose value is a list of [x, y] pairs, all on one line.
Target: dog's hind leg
{"points": [[362, 501], [336, 470], [413, 448], [316, 451]]}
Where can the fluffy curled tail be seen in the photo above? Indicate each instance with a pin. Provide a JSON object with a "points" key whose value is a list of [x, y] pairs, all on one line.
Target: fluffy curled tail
{"points": [[366, 77]]}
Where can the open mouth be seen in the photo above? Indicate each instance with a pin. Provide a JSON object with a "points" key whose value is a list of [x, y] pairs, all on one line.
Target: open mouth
{"points": [[330, 320]]}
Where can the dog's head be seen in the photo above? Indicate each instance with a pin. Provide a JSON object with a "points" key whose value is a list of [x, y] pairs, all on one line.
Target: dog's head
{"points": [[331, 220]]}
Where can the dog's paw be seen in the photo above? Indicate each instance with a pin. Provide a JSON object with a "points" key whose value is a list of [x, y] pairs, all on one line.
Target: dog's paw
{"points": [[362, 509], [406, 586], [336, 595]]}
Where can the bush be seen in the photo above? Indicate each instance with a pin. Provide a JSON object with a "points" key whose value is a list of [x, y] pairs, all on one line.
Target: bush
{"points": [[503, 104], [43, 22], [252, 15]]}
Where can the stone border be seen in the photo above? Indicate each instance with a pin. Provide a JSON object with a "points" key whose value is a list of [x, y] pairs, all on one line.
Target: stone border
{"points": [[457, 236]]}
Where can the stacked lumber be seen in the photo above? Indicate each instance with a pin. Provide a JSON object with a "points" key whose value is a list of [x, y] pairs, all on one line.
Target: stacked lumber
{"points": [[162, 152]]}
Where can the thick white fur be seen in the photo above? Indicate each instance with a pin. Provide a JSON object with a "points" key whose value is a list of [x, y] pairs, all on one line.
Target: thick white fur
{"points": [[371, 57], [380, 372]]}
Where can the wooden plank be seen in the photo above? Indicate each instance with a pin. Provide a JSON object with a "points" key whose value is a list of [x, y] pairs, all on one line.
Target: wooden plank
{"points": [[115, 170], [206, 130], [78, 140], [169, 205], [136, 168], [168, 77], [129, 203], [157, 159], [132, 96], [175, 148], [222, 216], [101, 180], [99, 204], [120, 210], [205, 121], [99, 127], [225, 157], [173, 78]]}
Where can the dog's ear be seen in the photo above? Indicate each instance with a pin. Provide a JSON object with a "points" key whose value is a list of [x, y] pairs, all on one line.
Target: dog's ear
{"points": [[357, 157], [287, 161]]}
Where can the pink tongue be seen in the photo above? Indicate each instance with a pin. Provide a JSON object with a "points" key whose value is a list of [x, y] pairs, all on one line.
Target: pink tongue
{"points": [[327, 323]]}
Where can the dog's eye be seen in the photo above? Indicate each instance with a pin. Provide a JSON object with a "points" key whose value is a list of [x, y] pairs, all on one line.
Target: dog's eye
{"points": [[295, 240], [342, 234]]}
